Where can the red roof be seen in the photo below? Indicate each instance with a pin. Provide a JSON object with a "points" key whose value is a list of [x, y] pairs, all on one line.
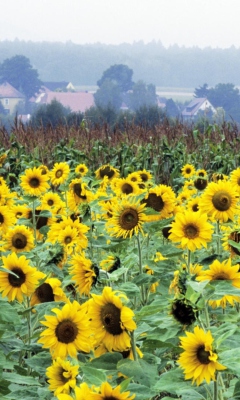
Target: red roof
{"points": [[8, 91], [77, 101]]}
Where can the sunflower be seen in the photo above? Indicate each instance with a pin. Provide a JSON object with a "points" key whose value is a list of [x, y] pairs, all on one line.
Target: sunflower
{"points": [[78, 193], [183, 312], [235, 179], [81, 393], [219, 177], [198, 359], [233, 234], [7, 218], [188, 170], [145, 175], [20, 210], [127, 218], [23, 279], [154, 285], [191, 230], [135, 177], [20, 238], [106, 392], [49, 290], [44, 169], [222, 271], [219, 200], [111, 263], [111, 320], [125, 187], [107, 170], [59, 173], [200, 183], [184, 196], [162, 200], [193, 204], [83, 272], [61, 376], [67, 332], [33, 182], [201, 173], [51, 201], [81, 170]]}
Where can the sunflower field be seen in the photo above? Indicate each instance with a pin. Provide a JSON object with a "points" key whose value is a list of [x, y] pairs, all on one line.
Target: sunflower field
{"points": [[120, 263]]}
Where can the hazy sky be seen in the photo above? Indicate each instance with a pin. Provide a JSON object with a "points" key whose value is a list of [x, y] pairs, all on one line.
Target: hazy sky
{"points": [[201, 23]]}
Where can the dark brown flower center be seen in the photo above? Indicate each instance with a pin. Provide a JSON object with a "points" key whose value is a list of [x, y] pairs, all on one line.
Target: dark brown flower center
{"points": [[235, 236], [44, 293], [222, 200], [183, 313], [19, 241], [1, 219], [191, 231], [77, 188], [50, 202], [66, 331], [203, 355], [128, 219], [144, 177], [18, 279], [63, 379], [221, 277], [188, 170], [67, 239], [154, 201], [106, 171], [166, 231], [59, 173], [200, 184], [34, 183], [110, 317], [195, 207], [127, 188]]}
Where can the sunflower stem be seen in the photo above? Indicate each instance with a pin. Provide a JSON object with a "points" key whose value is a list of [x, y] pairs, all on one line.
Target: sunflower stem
{"points": [[219, 252], [140, 268], [188, 260], [133, 346], [34, 221], [206, 315]]}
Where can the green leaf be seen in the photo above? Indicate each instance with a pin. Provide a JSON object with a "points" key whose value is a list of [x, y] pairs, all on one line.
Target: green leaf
{"points": [[107, 361], [93, 376], [16, 378]]}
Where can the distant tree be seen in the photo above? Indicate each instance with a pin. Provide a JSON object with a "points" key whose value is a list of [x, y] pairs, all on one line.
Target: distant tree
{"points": [[97, 116], [149, 116], [20, 74], [202, 91], [120, 75], [142, 95], [108, 95], [171, 109], [74, 118], [52, 114], [227, 96]]}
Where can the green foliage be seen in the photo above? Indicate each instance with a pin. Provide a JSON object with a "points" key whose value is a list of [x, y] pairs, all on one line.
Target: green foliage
{"points": [[142, 95], [120, 75], [52, 114]]}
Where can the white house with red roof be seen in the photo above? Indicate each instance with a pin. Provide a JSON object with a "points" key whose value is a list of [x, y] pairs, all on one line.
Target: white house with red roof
{"points": [[10, 97]]}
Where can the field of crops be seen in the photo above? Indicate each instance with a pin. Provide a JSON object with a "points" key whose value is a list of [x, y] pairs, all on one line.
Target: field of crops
{"points": [[119, 271]]}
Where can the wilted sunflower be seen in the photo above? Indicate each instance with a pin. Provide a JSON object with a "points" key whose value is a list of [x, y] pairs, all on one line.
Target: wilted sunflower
{"points": [[23, 279], [188, 170], [111, 320], [59, 173], [106, 392], [219, 271], [33, 182], [191, 230], [61, 376], [198, 359], [81, 170], [200, 183], [84, 273], [18, 239], [127, 218], [107, 170], [7, 218], [162, 200], [67, 332], [219, 177], [183, 312], [219, 200], [49, 290]]}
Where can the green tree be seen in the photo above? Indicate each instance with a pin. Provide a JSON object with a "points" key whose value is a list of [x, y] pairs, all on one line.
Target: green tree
{"points": [[52, 114], [142, 95], [108, 95], [202, 91], [120, 75], [21, 75], [227, 96], [172, 109], [149, 116]]}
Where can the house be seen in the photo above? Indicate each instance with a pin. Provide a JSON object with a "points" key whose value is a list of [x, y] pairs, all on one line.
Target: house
{"points": [[195, 106], [76, 101], [62, 86], [10, 98]]}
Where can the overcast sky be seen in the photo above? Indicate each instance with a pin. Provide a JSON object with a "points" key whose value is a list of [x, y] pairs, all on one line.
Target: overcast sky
{"points": [[201, 23]]}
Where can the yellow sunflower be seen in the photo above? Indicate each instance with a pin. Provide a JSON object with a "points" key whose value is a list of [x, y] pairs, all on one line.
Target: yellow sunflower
{"points": [[106, 392], [219, 200], [235, 179], [78, 193], [127, 218], [191, 230], [107, 170], [81, 170], [111, 320], [59, 173], [61, 376], [111, 263], [145, 175], [51, 201], [20, 210], [83, 272], [200, 183], [49, 290], [193, 204], [67, 332], [44, 169], [161, 199], [154, 285], [125, 187], [231, 233], [188, 170], [81, 393], [33, 182], [184, 196], [201, 173], [222, 271], [23, 279], [7, 218], [135, 177], [20, 238], [198, 359]]}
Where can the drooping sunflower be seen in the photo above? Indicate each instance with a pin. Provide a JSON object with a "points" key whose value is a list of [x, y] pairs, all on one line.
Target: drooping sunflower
{"points": [[111, 263], [33, 182], [219, 200], [161, 199], [191, 230], [127, 218], [107, 170], [198, 359], [59, 173], [183, 311], [81, 170], [111, 320], [7, 218], [188, 170], [67, 332], [222, 271], [19, 238], [23, 279], [49, 290], [61, 376], [83, 272], [106, 392]]}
